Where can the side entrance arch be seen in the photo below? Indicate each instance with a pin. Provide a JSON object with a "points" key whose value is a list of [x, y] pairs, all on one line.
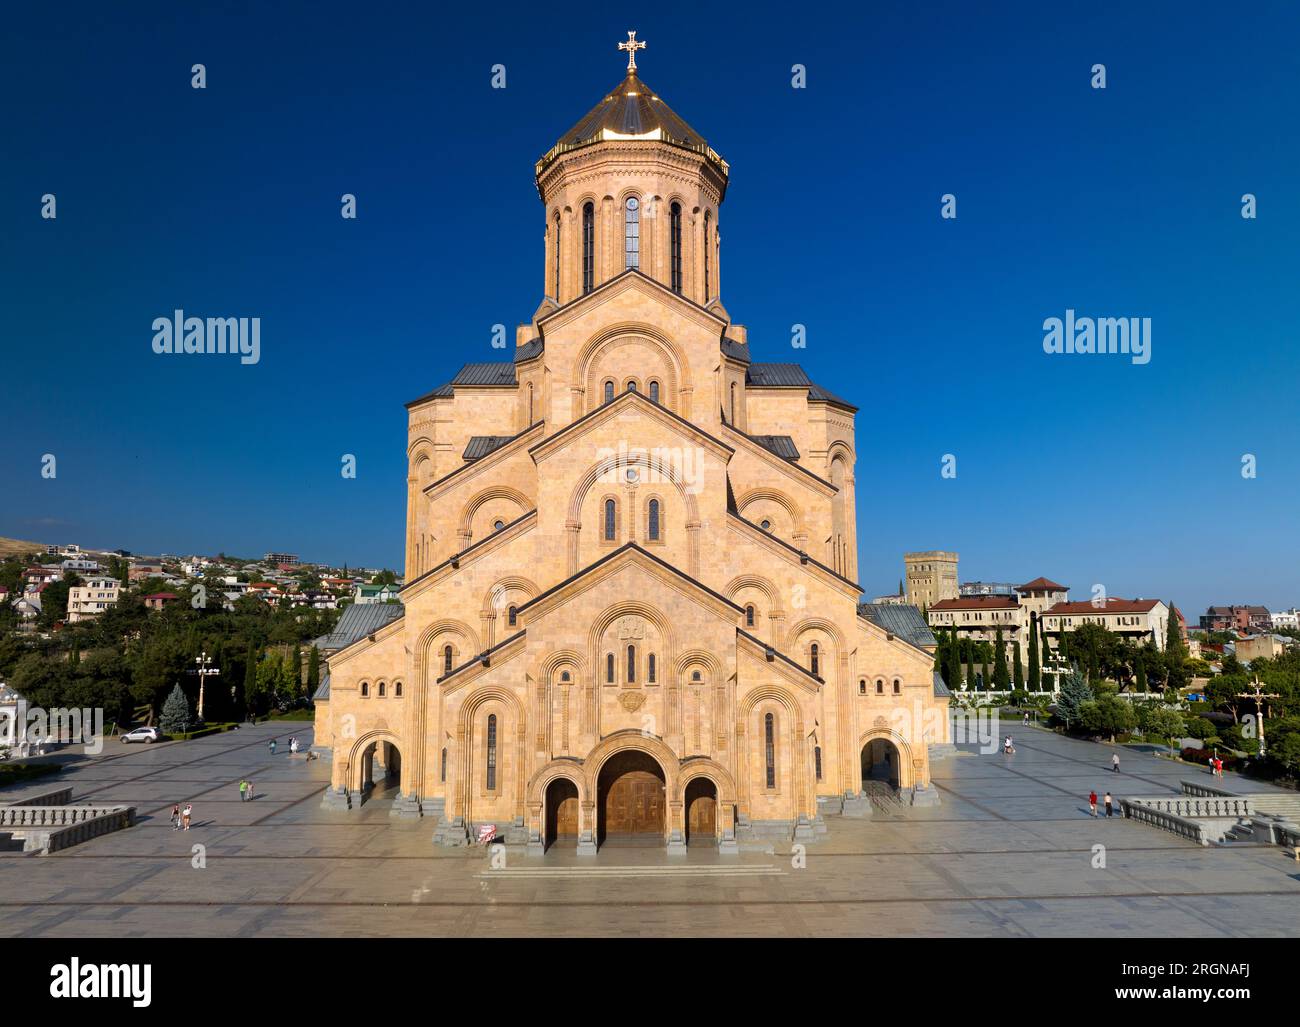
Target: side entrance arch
{"points": [[561, 814], [701, 798]]}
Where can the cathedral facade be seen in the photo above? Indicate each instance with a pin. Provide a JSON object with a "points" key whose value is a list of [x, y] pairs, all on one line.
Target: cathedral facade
{"points": [[630, 607]]}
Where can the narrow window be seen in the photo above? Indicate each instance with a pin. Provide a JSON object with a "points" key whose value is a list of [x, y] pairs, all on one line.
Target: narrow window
{"points": [[632, 233], [365, 689], [815, 662], [695, 675], [588, 248], [653, 529], [732, 416], [446, 660], [442, 773], [609, 392], [880, 687], [654, 392], [557, 256], [631, 385], [564, 675], [492, 753], [514, 615], [768, 731], [530, 402], [381, 689], [706, 256], [397, 689], [609, 520], [862, 687], [609, 668], [749, 616], [675, 235], [650, 670], [817, 760], [631, 664], [897, 686]]}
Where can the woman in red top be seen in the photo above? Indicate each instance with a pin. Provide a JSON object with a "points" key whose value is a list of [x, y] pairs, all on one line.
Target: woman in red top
{"points": [[1092, 802]]}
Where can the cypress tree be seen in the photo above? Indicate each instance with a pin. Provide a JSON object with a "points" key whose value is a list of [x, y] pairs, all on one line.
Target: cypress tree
{"points": [[1020, 671], [1001, 678], [1035, 671], [970, 664], [984, 680], [295, 672], [313, 672]]}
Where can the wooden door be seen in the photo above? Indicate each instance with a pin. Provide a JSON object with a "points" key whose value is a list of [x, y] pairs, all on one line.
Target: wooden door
{"points": [[566, 818], [561, 811], [701, 812], [635, 804]]}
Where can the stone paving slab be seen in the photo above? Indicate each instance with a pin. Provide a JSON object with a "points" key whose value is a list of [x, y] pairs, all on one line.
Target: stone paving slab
{"points": [[1009, 853]]}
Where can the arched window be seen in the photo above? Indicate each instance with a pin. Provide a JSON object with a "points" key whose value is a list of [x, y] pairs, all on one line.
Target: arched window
{"points": [[814, 662], [632, 233], [749, 616], [706, 256], [650, 670], [610, 518], [654, 392], [769, 742], [442, 773], [446, 659], [652, 529], [609, 668], [695, 675], [880, 686], [365, 689], [382, 688], [588, 247], [609, 392], [732, 416], [817, 760], [862, 687], [397, 689], [898, 686], [675, 242], [557, 255], [631, 664], [492, 752], [631, 385], [564, 675], [513, 614]]}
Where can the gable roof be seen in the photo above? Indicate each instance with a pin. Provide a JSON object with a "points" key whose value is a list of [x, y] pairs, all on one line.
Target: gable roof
{"points": [[482, 445], [491, 373], [994, 602], [787, 375], [899, 619], [358, 621], [1107, 606], [1042, 584]]}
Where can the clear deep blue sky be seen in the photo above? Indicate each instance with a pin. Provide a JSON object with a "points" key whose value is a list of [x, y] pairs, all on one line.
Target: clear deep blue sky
{"points": [[226, 202]]}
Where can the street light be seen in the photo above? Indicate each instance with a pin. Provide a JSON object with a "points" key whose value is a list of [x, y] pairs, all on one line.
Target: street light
{"points": [[204, 669]]}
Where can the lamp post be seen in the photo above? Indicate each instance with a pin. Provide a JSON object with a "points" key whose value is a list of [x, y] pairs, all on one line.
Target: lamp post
{"points": [[204, 669], [1259, 695]]}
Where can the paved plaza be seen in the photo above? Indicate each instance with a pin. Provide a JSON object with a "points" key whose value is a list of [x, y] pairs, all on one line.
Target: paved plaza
{"points": [[1008, 853]]}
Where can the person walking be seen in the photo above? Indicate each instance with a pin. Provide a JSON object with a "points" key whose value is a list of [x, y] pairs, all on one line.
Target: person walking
{"points": [[1092, 802], [1026, 718], [176, 816], [1218, 766], [186, 813], [250, 791], [243, 790], [272, 746], [1110, 809], [1114, 762]]}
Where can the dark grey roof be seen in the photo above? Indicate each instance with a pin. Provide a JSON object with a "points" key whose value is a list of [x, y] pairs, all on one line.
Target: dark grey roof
{"points": [[494, 373], [902, 620], [441, 392], [528, 350], [941, 690], [782, 445], [358, 621], [481, 445], [792, 376], [323, 692], [735, 350]]}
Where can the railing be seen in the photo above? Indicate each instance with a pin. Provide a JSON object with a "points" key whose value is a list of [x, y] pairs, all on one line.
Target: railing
{"points": [[75, 834], [1196, 788], [1136, 809], [51, 816], [1288, 836], [57, 797], [1202, 806]]}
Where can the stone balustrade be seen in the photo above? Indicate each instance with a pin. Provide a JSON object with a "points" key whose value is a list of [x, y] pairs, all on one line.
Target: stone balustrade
{"points": [[1137, 809], [1197, 788], [57, 797], [51, 828], [1202, 806]]}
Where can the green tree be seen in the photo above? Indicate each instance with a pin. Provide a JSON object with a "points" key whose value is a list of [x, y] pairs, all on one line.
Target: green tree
{"points": [[295, 673], [175, 712], [1035, 671], [1074, 693], [970, 665], [1166, 723], [1001, 676], [1108, 714], [1019, 678], [313, 672]]}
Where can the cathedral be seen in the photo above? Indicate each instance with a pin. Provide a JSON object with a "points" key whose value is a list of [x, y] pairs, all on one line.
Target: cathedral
{"points": [[630, 610]]}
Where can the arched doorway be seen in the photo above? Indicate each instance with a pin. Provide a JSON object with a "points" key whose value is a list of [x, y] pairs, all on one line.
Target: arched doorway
{"points": [[880, 764], [630, 800], [561, 813], [701, 812], [381, 771]]}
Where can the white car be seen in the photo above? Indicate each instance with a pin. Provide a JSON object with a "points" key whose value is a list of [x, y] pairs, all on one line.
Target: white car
{"points": [[141, 734]]}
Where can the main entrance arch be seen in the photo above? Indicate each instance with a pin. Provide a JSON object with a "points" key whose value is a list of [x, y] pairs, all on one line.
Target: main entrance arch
{"points": [[631, 800], [881, 762]]}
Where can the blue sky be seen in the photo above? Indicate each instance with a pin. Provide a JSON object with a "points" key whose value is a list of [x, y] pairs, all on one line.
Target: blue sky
{"points": [[1117, 202]]}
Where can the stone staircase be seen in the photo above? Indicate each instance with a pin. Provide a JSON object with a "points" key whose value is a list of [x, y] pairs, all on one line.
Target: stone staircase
{"points": [[1279, 804]]}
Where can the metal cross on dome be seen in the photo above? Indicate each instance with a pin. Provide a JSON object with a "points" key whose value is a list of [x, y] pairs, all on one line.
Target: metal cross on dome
{"points": [[631, 46]]}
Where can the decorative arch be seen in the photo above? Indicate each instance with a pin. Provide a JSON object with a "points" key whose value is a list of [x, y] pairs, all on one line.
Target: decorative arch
{"points": [[798, 525], [906, 771], [475, 504], [462, 786], [804, 800], [677, 365], [354, 766]]}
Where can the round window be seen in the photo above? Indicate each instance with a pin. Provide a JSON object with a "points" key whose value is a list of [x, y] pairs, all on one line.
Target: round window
{"points": [[633, 474], [766, 525]]}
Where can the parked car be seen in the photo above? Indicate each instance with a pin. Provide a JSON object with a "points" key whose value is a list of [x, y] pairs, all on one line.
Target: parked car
{"points": [[141, 734]]}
